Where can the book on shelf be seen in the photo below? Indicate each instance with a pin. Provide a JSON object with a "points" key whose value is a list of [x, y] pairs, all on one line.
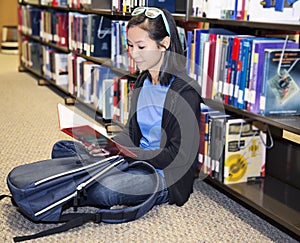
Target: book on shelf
{"points": [[119, 52], [79, 74], [245, 151], [63, 26], [243, 77], [222, 67], [235, 67], [211, 64], [29, 20], [197, 56], [216, 73], [86, 90], [227, 90], [166, 4], [211, 9], [204, 157], [217, 141], [47, 25], [123, 103], [188, 53], [101, 37], [258, 63], [88, 133], [71, 74], [59, 3], [99, 74], [204, 66], [280, 89], [47, 64], [251, 83], [116, 99], [35, 20], [60, 63], [108, 96], [77, 28], [33, 55]]}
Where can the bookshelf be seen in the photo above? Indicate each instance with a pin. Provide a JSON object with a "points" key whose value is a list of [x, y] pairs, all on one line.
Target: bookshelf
{"points": [[275, 198]]}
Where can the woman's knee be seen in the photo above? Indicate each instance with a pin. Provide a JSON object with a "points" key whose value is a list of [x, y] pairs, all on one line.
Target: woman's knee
{"points": [[65, 148]]}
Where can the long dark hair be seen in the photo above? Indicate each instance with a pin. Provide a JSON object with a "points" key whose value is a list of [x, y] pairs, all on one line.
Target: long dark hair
{"points": [[174, 60]]}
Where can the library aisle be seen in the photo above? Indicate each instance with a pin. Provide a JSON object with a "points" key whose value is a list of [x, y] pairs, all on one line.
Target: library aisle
{"points": [[28, 129]]}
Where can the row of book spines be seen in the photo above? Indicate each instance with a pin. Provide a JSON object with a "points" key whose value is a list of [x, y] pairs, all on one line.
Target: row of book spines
{"points": [[220, 78], [62, 3], [215, 140], [78, 32], [229, 9], [75, 32], [114, 5], [100, 86], [50, 26], [47, 62], [81, 78], [124, 6]]}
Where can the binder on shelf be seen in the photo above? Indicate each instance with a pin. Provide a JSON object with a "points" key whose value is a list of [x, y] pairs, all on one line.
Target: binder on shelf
{"points": [[217, 140], [101, 40], [245, 151]]}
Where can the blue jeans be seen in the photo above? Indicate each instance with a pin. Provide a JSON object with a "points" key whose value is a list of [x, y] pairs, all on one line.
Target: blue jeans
{"points": [[125, 188]]}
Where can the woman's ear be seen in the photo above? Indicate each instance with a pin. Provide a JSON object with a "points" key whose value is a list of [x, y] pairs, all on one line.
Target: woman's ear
{"points": [[166, 42]]}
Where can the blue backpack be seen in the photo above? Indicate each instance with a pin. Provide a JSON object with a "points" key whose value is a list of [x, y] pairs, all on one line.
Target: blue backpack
{"points": [[41, 191]]}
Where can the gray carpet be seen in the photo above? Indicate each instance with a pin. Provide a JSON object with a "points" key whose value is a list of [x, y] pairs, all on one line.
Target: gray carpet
{"points": [[28, 129]]}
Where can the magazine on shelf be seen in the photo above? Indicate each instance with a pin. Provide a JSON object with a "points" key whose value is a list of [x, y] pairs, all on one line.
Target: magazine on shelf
{"points": [[89, 133]]}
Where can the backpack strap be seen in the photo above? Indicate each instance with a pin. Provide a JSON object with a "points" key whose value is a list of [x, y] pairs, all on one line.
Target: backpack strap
{"points": [[4, 196], [75, 220], [121, 215]]}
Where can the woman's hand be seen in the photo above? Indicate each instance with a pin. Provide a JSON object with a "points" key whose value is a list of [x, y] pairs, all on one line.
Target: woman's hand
{"points": [[95, 151]]}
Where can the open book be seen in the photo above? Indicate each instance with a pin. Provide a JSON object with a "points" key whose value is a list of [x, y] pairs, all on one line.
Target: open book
{"points": [[89, 133]]}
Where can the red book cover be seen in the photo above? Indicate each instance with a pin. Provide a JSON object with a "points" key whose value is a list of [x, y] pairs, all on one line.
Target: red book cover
{"points": [[211, 65], [234, 69], [63, 24], [88, 133]]}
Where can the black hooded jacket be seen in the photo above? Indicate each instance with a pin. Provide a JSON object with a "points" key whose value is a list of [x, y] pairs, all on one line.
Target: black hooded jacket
{"points": [[178, 152]]}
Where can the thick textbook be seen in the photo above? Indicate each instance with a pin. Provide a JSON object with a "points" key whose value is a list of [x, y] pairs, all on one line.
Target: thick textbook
{"points": [[245, 151], [88, 133], [280, 94]]}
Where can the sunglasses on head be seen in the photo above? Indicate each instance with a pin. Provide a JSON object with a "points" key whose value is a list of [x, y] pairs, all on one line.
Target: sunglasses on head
{"points": [[152, 13]]}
